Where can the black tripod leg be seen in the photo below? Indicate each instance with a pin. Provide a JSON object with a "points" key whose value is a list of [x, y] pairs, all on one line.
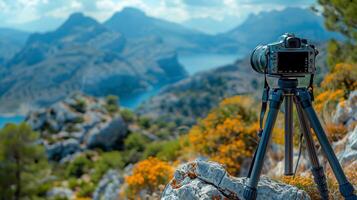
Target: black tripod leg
{"points": [[345, 187], [250, 190], [289, 148], [317, 170]]}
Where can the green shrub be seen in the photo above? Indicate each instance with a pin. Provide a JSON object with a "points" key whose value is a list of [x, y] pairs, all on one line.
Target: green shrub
{"points": [[86, 189], [145, 122], [127, 115], [164, 150], [136, 141], [108, 160], [79, 166], [112, 105]]}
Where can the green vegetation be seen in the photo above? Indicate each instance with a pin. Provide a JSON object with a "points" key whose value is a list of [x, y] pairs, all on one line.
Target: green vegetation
{"points": [[22, 162], [112, 105], [340, 16]]}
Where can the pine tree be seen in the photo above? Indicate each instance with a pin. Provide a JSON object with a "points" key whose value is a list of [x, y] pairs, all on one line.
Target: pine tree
{"points": [[22, 160], [341, 16]]}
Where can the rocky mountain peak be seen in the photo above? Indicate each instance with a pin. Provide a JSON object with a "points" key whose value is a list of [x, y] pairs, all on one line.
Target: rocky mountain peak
{"points": [[131, 11], [78, 19]]}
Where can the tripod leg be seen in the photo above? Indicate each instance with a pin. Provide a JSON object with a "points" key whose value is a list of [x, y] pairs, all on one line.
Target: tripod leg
{"points": [[250, 190], [317, 170], [289, 151], [345, 187]]}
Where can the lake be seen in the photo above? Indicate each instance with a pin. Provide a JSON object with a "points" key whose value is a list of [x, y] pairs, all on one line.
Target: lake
{"points": [[192, 63], [201, 62], [10, 119]]}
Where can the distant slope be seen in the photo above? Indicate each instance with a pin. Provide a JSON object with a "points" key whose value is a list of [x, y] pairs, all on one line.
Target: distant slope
{"points": [[84, 55], [11, 41], [134, 24], [266, 27], [192, 98]]}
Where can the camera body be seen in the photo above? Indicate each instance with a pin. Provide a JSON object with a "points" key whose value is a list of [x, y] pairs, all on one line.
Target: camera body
{"points": [[289, 57]]}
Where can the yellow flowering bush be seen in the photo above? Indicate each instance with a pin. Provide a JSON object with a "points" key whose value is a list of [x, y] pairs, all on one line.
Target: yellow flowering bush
{"points": [[335, 88], [228, 134], [148, 174]]}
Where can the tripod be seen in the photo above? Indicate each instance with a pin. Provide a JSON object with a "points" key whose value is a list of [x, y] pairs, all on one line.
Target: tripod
{"points": [[301, 97]]}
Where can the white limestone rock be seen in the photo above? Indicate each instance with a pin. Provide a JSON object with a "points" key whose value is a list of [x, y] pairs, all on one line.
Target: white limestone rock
{"points": [[209, 180]]}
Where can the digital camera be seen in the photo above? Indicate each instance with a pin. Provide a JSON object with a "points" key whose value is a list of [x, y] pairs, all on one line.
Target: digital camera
{"points": [[289, 57]]}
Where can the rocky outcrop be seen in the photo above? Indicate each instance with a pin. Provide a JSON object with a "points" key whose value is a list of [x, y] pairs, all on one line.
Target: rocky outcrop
{"points": [[208, 180], [349, 153], [346, 111], [79, 122], [108, 187]]}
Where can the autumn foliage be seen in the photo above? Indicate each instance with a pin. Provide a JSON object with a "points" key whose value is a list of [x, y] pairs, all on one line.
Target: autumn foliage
{"points": [[148, 174], [336, 87], [228, 134]]}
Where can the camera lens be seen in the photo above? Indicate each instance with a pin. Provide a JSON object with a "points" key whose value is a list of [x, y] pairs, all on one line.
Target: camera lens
{"points": [[258, 59]]}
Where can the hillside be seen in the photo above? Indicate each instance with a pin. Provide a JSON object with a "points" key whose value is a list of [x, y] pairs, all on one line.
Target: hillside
{"points": [[134, 23], [83, 55], [266, 27], [192, 98], [11, 42]]}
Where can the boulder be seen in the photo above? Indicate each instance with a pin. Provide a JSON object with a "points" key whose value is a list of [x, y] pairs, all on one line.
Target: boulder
{"points": [[108, 187], [108, 135], [346, 112], [61, 149], [209, 180], [349, 154]]}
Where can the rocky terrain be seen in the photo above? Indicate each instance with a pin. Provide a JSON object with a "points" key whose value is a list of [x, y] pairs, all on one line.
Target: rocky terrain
{"points": [[209, 180], [77, 124]]}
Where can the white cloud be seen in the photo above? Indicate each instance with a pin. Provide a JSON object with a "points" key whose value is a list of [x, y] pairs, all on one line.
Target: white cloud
{"points": [[17, 12]]}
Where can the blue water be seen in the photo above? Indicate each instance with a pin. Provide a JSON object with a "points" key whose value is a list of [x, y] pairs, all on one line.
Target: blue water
{"points": [[193, 64], [134, 101], [201, 62], [10, 119]]}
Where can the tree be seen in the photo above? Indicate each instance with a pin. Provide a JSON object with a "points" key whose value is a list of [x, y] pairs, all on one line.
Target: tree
{"points": [[22, 159], [341, 16]]}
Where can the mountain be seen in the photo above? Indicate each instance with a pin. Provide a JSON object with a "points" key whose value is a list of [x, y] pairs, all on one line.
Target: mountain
{"points": [[266, 27], [212, 26], [83, 55], [11, 41], [133, 24]]}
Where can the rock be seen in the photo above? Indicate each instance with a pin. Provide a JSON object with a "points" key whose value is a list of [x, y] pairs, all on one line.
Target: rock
{"points": [[60, 193], [346, 111], [108, 135], [349, 154], [59, 150], [77, 123], [209, 180], [108, 187]]}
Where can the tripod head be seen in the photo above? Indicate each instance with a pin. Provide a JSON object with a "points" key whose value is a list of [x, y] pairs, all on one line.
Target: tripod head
{"points": [[287, 83]]}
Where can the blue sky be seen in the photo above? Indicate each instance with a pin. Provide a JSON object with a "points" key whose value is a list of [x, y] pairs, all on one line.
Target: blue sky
{"points": [[44, 15]]}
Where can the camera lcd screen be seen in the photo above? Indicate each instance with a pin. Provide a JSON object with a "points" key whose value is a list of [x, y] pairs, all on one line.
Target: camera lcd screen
{"points": [[293, 62]]}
